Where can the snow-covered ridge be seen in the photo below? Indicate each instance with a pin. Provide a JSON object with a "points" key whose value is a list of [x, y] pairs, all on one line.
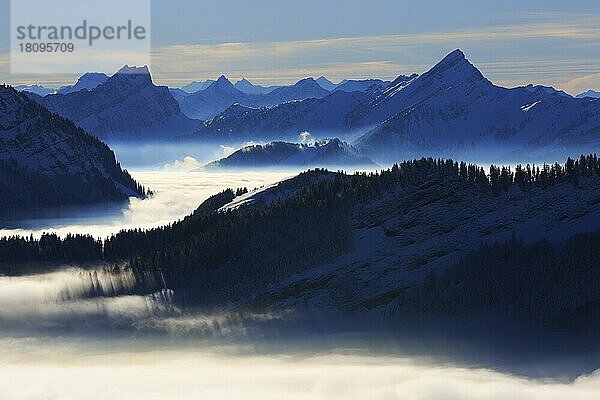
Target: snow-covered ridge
{"points": [[38, 146], [400, 237], [453, 110], [268, 195]]}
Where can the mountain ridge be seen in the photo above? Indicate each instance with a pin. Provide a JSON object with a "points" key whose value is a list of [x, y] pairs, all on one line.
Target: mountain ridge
{"points": [[128, 106], [590, 93], [450, 110], [216, 98], [46, 161], [454, 108], [322, 153], [88, 81]]}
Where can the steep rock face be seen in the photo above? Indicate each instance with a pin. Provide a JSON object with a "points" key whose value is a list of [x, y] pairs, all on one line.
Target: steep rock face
{"points": [[454, 71], [330, 152], [46, 161], [128, 106]]}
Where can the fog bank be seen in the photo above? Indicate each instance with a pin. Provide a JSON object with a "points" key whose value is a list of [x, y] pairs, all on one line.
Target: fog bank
{"points": [[68, 373], [177, 194]]}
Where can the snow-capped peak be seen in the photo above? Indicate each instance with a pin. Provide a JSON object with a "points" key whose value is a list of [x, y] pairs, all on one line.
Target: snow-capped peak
{"points": [[456, 55], [457, 64], [224, 81], [223, 84]]}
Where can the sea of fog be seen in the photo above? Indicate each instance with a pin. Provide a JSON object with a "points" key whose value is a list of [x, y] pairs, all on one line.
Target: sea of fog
{"points": [[177, 193], [33, 369], [58, 343]]}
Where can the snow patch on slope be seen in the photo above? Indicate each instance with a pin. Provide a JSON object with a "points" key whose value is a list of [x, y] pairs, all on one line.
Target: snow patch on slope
{"points": [[528, 107]]}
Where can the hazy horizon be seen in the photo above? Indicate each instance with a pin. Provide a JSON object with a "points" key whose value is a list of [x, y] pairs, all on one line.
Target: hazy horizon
{"points": [[513, 43]]}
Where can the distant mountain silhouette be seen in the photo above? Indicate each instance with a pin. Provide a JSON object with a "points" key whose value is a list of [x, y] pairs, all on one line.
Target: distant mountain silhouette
{"points": [[128, 106]]}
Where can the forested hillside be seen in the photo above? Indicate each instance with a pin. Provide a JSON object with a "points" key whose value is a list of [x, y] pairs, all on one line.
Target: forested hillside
{"points": [[264, 251], [46, 161], [542, 282]]}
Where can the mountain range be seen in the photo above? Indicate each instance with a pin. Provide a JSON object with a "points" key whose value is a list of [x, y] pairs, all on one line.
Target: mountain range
{"points": [[590, 93], [245, 86], [428, 237], [35, 89], [454, 109], [327, 116], [127, 106], [352, 85], [450, 108], [46, 161], [213, 97], [205, 104], [88, 81]]}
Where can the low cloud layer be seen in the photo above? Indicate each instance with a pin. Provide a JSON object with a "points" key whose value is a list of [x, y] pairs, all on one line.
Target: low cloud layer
{"points": [[187, 164], [177, 193], [192, 373]]}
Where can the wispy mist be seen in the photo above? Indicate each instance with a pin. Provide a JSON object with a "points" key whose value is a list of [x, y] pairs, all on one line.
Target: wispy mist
{"points": [[68, 300]]}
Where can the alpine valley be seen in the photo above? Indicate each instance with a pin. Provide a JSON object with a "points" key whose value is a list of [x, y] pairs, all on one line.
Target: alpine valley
{"points": [[437, 217]]}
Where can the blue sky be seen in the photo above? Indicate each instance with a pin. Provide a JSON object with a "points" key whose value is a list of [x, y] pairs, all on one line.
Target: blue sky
{"points": [[272, 42]]}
